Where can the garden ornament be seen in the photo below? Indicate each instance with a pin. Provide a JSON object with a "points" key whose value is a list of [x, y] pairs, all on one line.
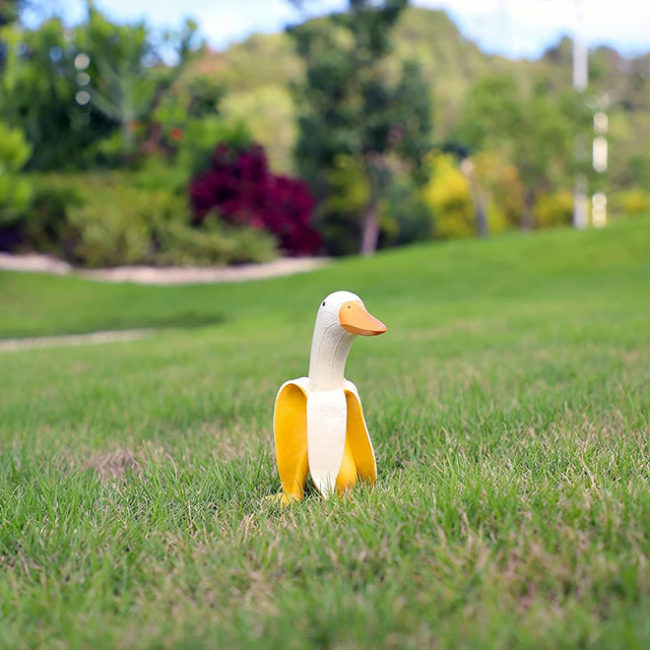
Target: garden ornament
{"points": [[318, 421]]}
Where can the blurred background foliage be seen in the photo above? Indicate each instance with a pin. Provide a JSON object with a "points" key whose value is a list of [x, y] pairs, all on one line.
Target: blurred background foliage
{"points": [[370, 128]]}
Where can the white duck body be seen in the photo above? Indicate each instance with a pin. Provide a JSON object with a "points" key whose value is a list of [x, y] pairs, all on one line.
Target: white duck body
{"points": [[318, 421]]}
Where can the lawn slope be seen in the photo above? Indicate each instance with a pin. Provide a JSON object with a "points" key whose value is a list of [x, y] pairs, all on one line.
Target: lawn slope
{"points": [[508, 404]]}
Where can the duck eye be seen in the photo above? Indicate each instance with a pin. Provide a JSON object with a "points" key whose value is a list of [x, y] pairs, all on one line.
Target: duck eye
{"points": [[323, 303]]}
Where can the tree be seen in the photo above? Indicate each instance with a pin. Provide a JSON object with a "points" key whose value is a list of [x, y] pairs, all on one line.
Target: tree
{"points": [[536, 130], [10, 10], [350, 106], [123, 68], [37, 95]]}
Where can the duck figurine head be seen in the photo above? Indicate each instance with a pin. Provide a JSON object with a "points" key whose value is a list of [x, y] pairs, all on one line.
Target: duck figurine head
{"points": [[340, 318], [318, 422]]}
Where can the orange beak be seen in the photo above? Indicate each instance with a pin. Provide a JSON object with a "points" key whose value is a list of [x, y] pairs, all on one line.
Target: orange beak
{"points": [[355, 319]]}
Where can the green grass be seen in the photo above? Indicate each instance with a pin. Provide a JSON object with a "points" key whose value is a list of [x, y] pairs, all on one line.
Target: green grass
{"points": [[509, 408]]}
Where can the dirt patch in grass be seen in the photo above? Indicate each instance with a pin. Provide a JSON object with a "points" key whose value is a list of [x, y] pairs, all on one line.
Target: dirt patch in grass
{"points": [[113, 465], [73, 340]]}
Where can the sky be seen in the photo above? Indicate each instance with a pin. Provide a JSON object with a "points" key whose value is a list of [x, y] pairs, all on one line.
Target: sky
{"points": [[515, 28]]}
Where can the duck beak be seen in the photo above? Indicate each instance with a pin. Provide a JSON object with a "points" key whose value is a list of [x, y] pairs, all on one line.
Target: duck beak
{"points": [[355, 319]]}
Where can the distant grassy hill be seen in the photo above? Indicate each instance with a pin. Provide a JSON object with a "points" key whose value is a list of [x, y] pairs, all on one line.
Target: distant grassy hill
{"points": [[257, 72], [503, 270]]}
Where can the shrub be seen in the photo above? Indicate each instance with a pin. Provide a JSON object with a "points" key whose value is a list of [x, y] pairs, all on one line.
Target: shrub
{"points": [[15, 193], [14, 149], [448, 195], [157, 174], [127, 218], [240, 187], [45, 222], [214, 242], [15, 190], [554, 209], [630, 202], [114, 227], [130, 225]]}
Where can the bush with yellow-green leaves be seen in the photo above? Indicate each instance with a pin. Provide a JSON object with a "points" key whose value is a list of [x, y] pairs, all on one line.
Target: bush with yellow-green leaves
{"points": [[15, 191]]}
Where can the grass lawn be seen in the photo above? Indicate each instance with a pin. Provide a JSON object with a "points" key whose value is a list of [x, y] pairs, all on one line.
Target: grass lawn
{"points": [[508, 405]]}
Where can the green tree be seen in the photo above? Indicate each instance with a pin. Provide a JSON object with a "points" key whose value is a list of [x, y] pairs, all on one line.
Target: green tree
{"points": [[37, 95], [352, 108], [69, 90], [10, 10], [126, 75], [536, 131]]}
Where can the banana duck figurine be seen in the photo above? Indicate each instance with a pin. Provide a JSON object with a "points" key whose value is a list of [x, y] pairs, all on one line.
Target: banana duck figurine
{"points": [[318, 421]]}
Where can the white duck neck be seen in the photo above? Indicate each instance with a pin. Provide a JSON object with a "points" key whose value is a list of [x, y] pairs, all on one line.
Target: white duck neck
{"points": [[330, 347]]}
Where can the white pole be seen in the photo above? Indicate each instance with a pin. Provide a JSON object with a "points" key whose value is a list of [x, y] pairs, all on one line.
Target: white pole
{"points": [[580, 52], [580, 80], [599, 161]]}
